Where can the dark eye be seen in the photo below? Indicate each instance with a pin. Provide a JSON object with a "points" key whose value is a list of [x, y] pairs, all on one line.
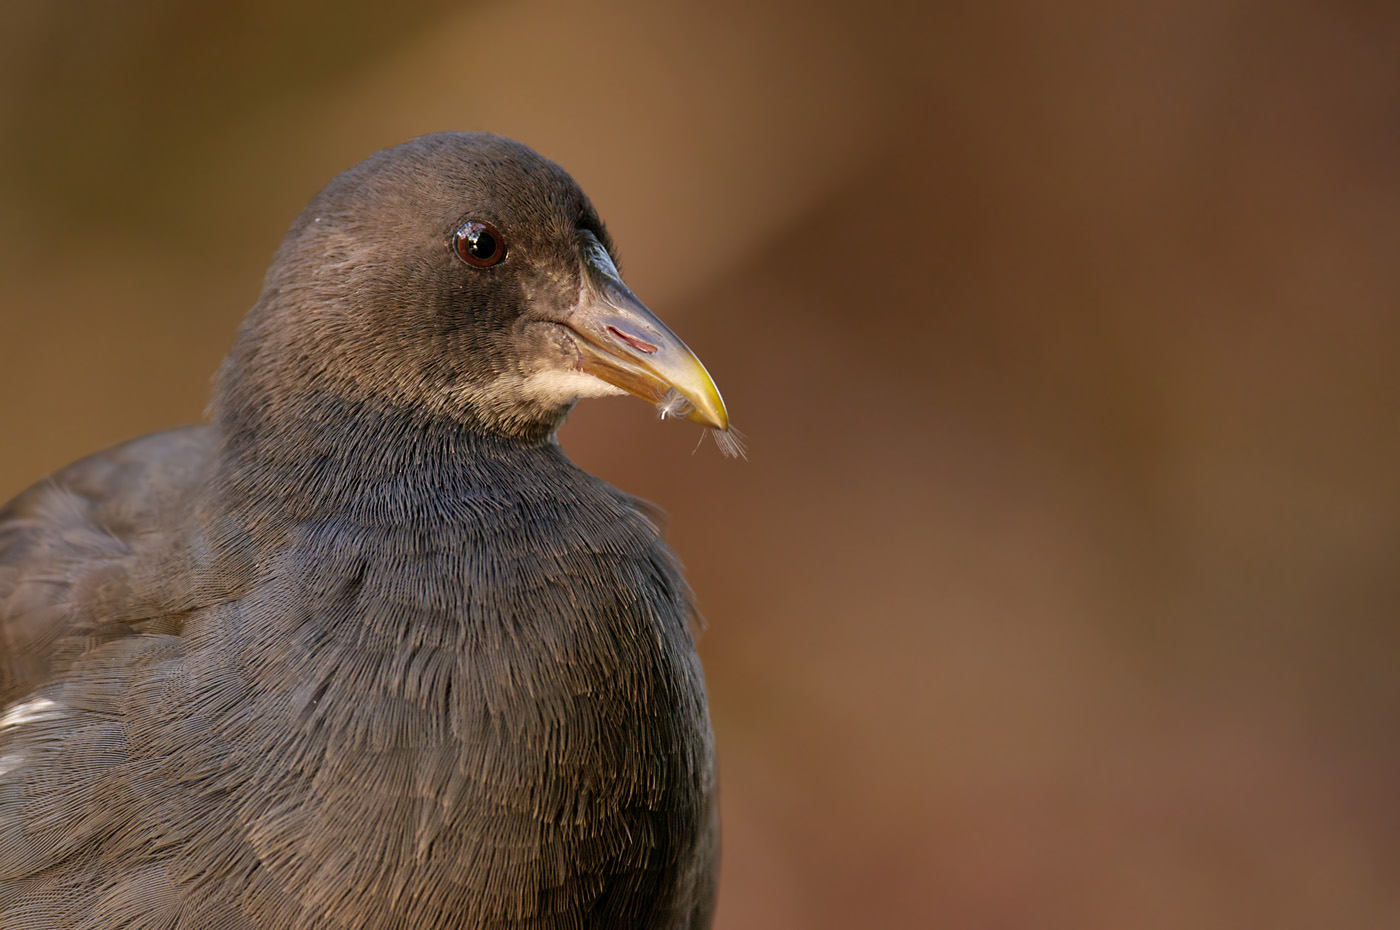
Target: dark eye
{"points": [[479, 244]]}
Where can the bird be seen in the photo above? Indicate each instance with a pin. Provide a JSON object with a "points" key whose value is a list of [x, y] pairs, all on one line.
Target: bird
{"points": [[365, 649]]}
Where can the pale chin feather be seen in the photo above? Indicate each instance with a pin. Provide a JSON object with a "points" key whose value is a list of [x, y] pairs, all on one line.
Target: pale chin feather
{"points": [[562, 387], [544, 389]]}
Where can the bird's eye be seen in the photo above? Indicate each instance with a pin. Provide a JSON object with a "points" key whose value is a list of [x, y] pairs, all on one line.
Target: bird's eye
{"points": [[479, 244]]}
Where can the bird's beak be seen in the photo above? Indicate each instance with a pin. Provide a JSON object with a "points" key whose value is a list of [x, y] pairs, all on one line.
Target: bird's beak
{"points": [[623, 343]]}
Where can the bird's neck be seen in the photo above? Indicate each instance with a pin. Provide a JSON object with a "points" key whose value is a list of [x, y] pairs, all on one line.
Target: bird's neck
{"points": [[328, 455]]}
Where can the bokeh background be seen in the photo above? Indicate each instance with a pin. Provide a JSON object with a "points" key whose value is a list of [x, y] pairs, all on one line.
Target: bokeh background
{"points": [[1059, 589]]}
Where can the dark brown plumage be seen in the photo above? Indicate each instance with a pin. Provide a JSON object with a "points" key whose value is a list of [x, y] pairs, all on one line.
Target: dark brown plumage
{"points": [[367, 650]]}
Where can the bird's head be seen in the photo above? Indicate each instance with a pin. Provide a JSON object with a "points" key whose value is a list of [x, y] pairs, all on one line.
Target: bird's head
{"points": [[466, 275]]}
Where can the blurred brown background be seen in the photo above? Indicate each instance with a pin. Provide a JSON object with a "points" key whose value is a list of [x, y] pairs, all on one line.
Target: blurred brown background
{"points": [[1059, 589]]}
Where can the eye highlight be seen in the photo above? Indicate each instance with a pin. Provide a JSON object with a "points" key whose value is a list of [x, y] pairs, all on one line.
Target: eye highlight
{"points": [[479, 244]]}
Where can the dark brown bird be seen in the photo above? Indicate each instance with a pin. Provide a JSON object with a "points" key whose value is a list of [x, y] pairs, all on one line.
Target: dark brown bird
{"points": [[367, 650]]}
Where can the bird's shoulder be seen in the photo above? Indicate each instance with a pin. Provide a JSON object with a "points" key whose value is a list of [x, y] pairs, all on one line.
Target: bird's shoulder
{"points": [[81, 552]]}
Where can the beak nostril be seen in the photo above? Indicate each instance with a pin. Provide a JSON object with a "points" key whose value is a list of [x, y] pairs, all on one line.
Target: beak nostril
{"points": [[638, 344]]}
